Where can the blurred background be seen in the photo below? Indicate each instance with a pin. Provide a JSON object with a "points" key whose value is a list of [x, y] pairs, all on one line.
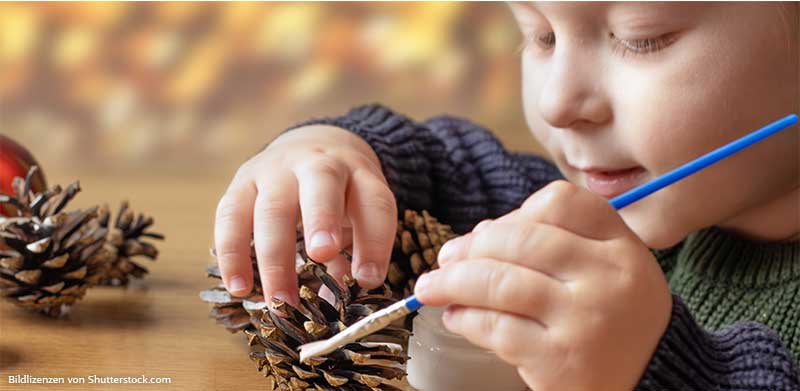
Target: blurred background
{"points": [[159, 103], [182, 87]]}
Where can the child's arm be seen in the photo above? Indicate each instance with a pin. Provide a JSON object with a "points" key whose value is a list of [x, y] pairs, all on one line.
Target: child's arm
{"points": [[455, 169], [461, 173], [743, 356], [563, 289], [346, 182]]}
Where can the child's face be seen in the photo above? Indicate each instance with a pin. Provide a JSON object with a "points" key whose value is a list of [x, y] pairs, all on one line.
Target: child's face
{"points": [[621, 93]]}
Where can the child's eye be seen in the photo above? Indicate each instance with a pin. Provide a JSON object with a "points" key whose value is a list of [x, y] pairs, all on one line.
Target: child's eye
{"points": [[545, 41], [641, 46]]}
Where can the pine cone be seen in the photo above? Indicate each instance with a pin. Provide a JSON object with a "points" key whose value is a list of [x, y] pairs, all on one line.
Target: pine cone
{"points": [[418, 241], [274, 339], [125, 240], [360, 366], [228, 310], [48, 258]]}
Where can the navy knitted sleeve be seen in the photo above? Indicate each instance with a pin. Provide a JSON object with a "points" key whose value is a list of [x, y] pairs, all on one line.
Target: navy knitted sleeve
{"points": [[454, 168], [744, 356]]}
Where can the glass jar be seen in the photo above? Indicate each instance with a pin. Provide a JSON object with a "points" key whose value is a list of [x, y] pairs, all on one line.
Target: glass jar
{"points": [[443, 361]]}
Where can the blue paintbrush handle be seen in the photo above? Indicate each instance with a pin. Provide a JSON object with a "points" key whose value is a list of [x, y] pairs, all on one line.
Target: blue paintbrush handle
{"points": [[412, 303], [700, 163], [679, 173]]}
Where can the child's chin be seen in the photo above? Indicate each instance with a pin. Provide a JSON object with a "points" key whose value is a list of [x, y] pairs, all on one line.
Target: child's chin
{"points": [[658, 235]]}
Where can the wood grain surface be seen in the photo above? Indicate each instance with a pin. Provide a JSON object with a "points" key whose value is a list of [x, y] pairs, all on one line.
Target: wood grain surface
{"points": [[156, 327]]}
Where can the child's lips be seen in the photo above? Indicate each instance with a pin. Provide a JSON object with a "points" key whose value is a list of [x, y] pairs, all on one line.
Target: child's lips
{"points": [[612, 182]]}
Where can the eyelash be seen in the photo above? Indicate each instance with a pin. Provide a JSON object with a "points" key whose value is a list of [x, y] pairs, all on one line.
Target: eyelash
{"points": [[640, 47], [547, 40]]}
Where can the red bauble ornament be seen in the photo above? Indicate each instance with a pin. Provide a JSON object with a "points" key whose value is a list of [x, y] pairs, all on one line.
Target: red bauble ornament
{"points": [[15, 161]]}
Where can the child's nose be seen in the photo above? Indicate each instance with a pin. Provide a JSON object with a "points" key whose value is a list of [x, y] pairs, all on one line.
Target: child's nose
{"points": [[572, 95]]}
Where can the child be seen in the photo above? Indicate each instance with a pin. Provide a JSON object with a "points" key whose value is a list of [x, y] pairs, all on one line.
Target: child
{"points": [[559, 284]]}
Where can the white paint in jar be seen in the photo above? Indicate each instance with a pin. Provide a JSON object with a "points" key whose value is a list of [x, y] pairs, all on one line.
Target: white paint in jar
{"points": [[443, 361]]}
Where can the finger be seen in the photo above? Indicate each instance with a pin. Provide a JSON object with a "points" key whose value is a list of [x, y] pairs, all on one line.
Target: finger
{"points": [[483, 224], [275, 223], [373, 213], [500, 286], [337, 267], [576, 210], [545, 248], [322, 184], [347, 238], [453, 248], [513, 338], [232, 232]]}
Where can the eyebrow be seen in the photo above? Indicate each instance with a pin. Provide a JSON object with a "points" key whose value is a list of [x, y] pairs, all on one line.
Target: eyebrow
{"points": [[617, 9], [555, 7], [531, 5], [523, 4]]}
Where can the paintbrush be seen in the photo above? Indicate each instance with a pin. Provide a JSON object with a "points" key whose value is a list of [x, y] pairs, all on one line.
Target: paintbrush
{"points": [[386, 316]]}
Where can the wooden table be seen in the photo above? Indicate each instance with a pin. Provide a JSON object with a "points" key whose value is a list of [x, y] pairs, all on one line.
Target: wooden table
{"points": [[156, 327]]}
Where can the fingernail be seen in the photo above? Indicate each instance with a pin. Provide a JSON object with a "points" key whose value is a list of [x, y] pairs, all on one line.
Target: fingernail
{"points": [[327, 294], [368, 273], [321, 239], [447, 251], [282, 296], [237, 284]]}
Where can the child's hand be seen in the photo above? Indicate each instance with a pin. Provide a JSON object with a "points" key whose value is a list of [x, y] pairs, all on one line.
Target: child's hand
{"points": [[560, 288], [335, 179]]}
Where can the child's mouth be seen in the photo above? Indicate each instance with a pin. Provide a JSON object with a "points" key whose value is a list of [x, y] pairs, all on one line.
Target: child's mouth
{"points": [[610, 183]]}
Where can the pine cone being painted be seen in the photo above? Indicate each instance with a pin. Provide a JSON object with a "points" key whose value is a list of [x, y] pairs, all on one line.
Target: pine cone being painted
{"points": [[126, 240], [362, 366], [274, 340], [48, 258], [418, 241]]}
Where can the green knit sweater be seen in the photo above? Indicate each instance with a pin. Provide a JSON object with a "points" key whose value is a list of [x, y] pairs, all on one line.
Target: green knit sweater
{"points": [[724, 278]]}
